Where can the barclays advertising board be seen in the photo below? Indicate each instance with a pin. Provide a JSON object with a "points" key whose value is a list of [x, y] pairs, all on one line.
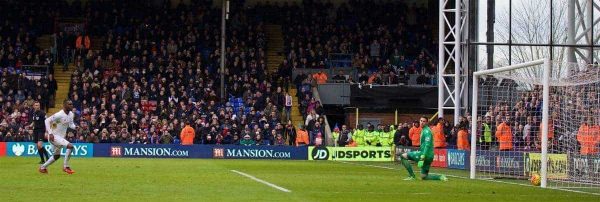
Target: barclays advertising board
{"points": [[30, 149]]}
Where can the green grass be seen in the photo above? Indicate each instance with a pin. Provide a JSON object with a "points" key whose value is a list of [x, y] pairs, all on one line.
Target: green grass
{"points": [[118, 179]]}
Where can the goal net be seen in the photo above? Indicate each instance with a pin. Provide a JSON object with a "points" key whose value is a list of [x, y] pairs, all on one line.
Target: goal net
{"points": [[512, 111]]}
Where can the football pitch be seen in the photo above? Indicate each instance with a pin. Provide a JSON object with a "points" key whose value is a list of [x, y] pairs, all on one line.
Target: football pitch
{"points": [[131, 179]]}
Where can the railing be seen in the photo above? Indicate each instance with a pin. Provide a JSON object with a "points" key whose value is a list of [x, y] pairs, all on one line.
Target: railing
{"points": [[35, 71], [328, 135], [337, 60]]}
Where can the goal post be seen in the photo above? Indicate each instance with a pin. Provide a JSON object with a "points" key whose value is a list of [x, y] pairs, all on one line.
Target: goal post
{"points": [[517, 109]]}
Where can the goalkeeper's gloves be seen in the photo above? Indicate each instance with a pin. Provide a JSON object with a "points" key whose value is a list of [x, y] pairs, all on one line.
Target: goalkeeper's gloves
{"points": [[421, 161]]}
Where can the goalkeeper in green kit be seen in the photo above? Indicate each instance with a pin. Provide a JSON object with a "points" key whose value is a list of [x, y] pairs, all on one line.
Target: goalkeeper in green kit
{"points": [[424, 156]]}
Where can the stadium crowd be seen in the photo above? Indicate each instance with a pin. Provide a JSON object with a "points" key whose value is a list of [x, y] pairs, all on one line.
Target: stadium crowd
{"points": [[158, 71], [374, 34], [515, 122]]}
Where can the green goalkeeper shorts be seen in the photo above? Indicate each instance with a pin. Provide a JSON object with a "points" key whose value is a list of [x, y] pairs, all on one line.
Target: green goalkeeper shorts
{"points": [[416, 156]]}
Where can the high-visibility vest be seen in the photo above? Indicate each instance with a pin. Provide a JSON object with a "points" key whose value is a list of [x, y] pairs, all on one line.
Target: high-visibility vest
{"points": [[439, 140], [462, 140], [487, 133], [187, 135], [415, 136], [505, 136], [588, 138]]}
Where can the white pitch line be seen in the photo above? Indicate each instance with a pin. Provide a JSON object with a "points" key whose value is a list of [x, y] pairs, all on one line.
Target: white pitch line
{"points": [[262, 181], [490, 180]]}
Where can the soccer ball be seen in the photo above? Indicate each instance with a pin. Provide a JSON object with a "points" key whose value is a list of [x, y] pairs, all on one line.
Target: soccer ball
{"points": [[535, 179]]}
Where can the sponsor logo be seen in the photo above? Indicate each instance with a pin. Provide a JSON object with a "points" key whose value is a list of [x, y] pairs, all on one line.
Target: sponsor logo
{"points": [[401, 150], [218, 153], [500, 162], [18, 149], [483, 161], [457, 159], [154, 152], [584, 168], [362, 154], [557, 165], [351, 153], [320, 153], [507, 162], [439, 158], [116, 151], [257, 153], [30, 149]]}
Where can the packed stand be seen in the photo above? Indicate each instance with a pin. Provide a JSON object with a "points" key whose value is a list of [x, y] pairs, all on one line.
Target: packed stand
{"points": [[21, 24], [386, 46], [517, 124], [154, 79]]}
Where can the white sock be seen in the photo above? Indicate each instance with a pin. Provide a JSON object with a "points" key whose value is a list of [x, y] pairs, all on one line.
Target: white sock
{"points": [[49, 162], [67, 156]]}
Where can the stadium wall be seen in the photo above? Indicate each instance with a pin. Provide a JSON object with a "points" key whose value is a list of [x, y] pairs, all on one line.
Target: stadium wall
{"points": [[515, 162]]}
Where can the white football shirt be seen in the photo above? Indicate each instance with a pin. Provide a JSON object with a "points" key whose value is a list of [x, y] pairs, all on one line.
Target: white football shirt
{"points": [[58, 123]]}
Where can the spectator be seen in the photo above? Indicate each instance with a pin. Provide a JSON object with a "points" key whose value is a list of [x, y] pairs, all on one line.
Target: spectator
{"points": [[359, 135], [320, 77], [345, 137], [302, 137], [290, 133], [187, 135], [504, 135], [340, 77], [439, 139], [462, 139], [587, 138], [247, 141], [415, 134]]}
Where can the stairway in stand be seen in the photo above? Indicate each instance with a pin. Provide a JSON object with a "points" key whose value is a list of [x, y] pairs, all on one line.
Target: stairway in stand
{"points": [[274, 59], [274, 47], [63, 78], [63, 81]]}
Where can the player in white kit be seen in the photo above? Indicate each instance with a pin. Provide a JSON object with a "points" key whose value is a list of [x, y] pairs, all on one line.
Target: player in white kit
{"points": [[57, 126]]}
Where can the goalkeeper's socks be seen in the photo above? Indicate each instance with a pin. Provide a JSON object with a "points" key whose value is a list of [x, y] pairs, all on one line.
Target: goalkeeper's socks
{"points": [[41, 152], [408, 167], [436, 177]]}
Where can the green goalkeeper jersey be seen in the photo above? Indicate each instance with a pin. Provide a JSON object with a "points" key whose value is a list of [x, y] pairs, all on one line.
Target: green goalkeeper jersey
{"points": [[426, 147]]}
